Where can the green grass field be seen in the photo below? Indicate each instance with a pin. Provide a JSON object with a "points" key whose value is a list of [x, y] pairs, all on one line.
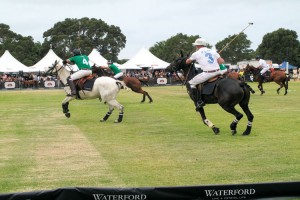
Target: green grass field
{"points": [[160, 144]]}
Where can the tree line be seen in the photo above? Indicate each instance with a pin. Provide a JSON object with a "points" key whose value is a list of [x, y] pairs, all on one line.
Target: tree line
{"points": [[86, 34]]}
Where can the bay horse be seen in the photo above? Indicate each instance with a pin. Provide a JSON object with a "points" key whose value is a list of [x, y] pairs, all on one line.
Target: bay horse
{"points": [[234, 75], [278, 77], [227, 92], [133, 83], [104, 88]]}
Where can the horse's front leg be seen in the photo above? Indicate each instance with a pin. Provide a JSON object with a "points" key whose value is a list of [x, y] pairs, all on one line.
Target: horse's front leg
{"points": [[260, 87], [208, 123], [65, 106]]}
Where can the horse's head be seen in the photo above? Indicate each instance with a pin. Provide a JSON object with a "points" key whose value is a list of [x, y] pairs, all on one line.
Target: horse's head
{"points": [[59, 70], [178, 64], [53, 69]]}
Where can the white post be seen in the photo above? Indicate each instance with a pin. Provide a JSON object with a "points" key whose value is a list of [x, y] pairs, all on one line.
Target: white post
{"points": [[287, 68]]}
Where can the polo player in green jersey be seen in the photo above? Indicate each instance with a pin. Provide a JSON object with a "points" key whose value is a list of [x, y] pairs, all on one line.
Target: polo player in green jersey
{"points": [[82, 62]]}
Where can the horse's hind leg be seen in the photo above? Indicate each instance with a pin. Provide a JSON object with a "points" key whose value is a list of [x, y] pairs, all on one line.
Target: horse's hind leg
{"points": [[114, 103], [107, 115], [238, 117], [250, 118], [139, 90], [282, 84], [286, 89], [150, 99], [144, 98]]}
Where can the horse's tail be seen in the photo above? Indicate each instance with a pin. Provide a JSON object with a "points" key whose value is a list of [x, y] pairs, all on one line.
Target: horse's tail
{"points": [[245, 85]]}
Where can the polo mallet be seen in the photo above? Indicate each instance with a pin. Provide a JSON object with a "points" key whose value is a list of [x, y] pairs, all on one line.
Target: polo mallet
{"points": [[249, 24]]}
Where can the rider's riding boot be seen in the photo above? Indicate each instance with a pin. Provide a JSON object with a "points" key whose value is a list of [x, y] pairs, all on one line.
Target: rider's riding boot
{"points": [[197, 98], [72, 87]]}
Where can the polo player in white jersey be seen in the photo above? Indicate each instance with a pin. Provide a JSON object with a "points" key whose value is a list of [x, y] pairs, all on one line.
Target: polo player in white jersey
{"points": [[209, 61]]}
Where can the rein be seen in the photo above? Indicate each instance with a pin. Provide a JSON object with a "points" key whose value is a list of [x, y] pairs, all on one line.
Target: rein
{"points": [[183, 82], [50, 71]]}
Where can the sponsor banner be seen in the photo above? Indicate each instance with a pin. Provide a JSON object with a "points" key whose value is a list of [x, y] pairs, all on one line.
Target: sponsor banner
{"points": [[212, 192], [161, 81], [9, 85], [49, 84]]}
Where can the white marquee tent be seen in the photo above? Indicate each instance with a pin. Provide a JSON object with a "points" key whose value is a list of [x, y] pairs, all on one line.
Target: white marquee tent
{"points": [[96, 58], [144, 58], [8, 63], [128, 66], [45, 62]]}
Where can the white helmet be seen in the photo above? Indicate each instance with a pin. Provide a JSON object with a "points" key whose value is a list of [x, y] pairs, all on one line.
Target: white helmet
{"points": [[200, 41]]}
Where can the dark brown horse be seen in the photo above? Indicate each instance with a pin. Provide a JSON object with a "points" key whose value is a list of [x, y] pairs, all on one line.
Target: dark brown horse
{"points": [[278, 77], [227, 92], [133, 83]]}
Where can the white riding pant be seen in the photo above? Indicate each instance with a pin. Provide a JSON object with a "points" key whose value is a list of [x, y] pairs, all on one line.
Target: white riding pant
{"points": [[223, 71], [81, 73], [202, 77], [264, 70], [118, 75]]}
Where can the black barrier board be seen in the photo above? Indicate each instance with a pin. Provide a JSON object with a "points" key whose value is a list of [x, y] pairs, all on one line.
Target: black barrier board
{"points": [[210, 192]]}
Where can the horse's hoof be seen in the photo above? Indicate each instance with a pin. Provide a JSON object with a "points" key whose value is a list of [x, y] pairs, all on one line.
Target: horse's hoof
{"points": [[233, 132], [68, 115], [117, 121], [246, 133], [102, 120], [216, 130]]}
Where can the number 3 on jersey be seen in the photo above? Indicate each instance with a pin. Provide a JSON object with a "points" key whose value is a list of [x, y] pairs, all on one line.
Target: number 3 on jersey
{"points": [[210, 58]]}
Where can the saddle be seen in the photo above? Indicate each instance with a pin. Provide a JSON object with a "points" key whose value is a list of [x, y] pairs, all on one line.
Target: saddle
{"points": [[267, 74], [85, 83], [209, 86]]}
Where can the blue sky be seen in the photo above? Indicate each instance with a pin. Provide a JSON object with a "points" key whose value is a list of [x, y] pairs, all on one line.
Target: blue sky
{"points": [[146, 22]]}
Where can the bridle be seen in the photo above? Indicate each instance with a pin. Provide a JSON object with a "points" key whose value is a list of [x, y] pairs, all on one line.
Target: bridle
{"points": [[176, 67], [50, 71]]}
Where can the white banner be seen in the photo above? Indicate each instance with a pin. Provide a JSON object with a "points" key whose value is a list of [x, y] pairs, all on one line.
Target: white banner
{"points": [[49, 84], [9, 84], [162, 81]]}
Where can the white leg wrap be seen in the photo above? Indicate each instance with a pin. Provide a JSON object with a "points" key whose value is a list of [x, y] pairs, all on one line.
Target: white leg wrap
{"points": [[235, 121], [249, 123], [209, 123]]}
